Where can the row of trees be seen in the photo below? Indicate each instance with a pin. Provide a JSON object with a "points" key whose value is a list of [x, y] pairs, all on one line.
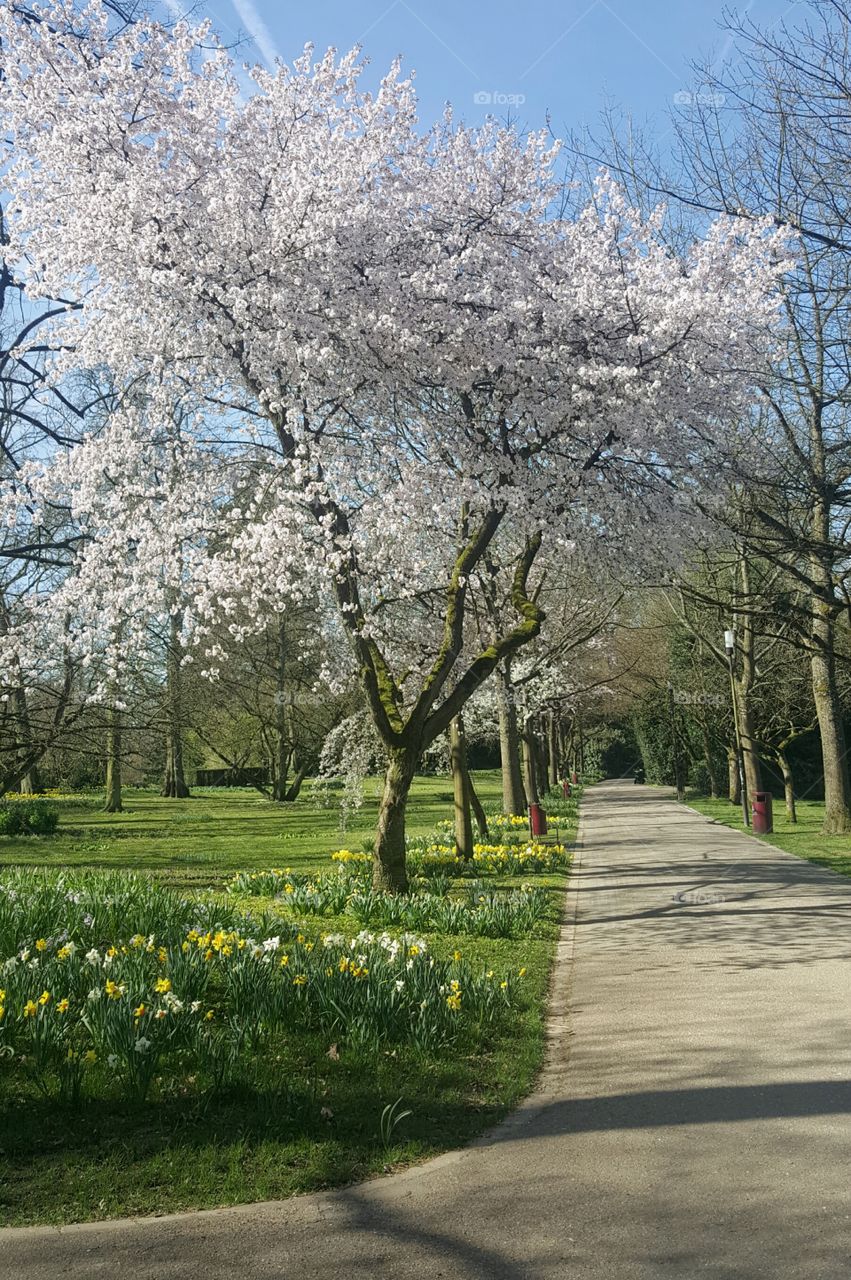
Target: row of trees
{"points": [[766, 135], [369, 404]]}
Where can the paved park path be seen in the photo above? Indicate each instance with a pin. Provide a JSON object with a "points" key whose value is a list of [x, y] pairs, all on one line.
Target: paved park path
{"points": [[695, 1120]]}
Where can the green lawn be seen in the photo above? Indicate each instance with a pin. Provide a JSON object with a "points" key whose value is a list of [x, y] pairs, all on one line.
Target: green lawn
{"points": [[804, 838], [308, 1114], [220, 830]]}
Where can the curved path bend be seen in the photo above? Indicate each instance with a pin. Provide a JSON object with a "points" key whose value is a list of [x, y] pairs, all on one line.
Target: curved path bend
{"points": [[699, 1126]]}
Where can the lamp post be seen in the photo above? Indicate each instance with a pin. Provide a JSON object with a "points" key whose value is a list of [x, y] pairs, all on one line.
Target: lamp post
{"points": [[730, 648]]}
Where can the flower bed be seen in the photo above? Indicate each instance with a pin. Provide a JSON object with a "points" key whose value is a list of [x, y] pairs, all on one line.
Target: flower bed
{"points": [[88, 1006], [435, 902], [529, 858]]}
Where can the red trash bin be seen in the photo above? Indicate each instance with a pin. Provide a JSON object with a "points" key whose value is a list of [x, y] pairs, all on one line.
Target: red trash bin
{"points": [[537, 820], [574, 777], [761, 814]]}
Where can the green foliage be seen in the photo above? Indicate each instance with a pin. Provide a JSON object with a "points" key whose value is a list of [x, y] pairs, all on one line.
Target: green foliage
{"points": [[435, 903], [488, 913], [28, 816], [88, 1007], [651, 724]]}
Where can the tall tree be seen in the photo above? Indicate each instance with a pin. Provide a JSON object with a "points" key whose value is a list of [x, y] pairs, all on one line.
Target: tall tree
{"points": [[428, 346], [766, 136]]}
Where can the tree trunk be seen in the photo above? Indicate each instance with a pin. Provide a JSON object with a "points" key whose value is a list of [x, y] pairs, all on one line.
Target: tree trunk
{"points": [[788, 786], [112, 802], [530, 772], [744, 688], [295, 786], [478, 812], [564, 736], [676, 755], [30, 781], [714, 787], [837, 786], [280, 771], [388, 869], [283, 748], [461, 789], [174, 782], [544, 759], [553, 749], [542, 756], [734, 789], [509, 743], [753, 769]]}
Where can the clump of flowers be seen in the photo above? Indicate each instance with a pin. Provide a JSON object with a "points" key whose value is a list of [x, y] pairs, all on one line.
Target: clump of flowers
{"points": [[533, 857], [83, 1009], [348, 856]]}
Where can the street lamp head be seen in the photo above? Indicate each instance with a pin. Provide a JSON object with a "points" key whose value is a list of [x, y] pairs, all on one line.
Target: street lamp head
{"points": [[729, 641]]}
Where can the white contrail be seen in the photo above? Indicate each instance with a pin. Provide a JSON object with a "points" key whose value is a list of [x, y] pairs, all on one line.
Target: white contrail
{"points": [[257, 29], [727, 47]]}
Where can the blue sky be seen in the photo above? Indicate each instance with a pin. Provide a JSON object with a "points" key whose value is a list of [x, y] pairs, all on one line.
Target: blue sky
{"points": [[534, 57]]}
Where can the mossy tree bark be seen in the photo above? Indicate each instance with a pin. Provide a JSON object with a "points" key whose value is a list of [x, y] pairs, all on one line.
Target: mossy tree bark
{"points": [[542, 753], [389, 870], [407, 731]]}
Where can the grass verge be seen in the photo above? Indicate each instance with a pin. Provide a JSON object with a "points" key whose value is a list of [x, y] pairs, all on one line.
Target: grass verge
{"points": [[307, 1113], [803, 838]]}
